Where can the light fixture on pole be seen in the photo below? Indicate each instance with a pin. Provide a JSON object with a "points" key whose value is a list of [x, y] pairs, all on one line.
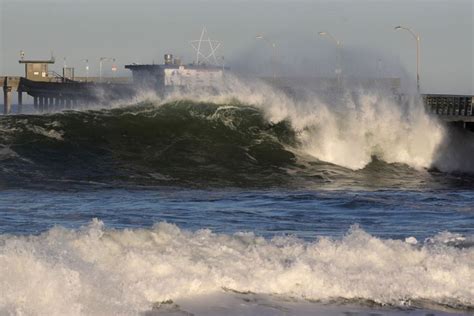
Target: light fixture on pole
{"points": [[417, 38], [101, 60], [339, 55], [114, 68], [273, 45], [87, 68]]}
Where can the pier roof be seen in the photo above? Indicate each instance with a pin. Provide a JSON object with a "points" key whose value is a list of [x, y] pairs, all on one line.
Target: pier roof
{"points": [[24, 61]]}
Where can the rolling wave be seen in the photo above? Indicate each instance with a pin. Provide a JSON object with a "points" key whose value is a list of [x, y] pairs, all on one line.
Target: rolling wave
{"points": [[241, 136], [177, 141]]}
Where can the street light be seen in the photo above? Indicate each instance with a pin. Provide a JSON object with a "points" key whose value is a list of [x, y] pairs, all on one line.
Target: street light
{"points": [[339, 55], [417, 38], [87, 68], [273, 45], [101, 60]]}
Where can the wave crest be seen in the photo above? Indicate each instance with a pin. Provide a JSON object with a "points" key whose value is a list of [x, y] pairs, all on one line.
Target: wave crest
{"points": [[243, 134], [346, 128]]}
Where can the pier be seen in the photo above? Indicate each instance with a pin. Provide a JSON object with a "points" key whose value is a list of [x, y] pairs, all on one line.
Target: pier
{"points": [[54, 92], [56, 95], [455, 109]]}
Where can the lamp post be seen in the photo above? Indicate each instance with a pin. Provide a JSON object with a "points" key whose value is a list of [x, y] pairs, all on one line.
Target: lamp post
{"points": [[87, 69], [339, 55], [417, 38], [273, 45], [101, 60]]}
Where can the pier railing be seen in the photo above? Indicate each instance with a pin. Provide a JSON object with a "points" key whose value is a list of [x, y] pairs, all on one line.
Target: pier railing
{"points": [[451, 107]]}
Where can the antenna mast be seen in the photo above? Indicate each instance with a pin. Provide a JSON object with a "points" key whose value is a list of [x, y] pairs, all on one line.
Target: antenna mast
{"points": [[208, 55]]}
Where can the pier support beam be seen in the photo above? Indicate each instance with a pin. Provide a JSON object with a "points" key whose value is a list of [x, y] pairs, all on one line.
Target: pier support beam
{"points": [[51, 104], [41, 103], [35, 103], [20, 101], [7, 97], [45, 104]]}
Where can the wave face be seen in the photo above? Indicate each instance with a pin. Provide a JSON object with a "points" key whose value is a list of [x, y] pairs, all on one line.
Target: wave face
{"points": [[177, 141], [242, 134], [97, 271], [346, 128]]}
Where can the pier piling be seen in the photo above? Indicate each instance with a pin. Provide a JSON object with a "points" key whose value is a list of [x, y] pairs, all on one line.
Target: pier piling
{"points": [[41, 104], [20, 101], [7, 97], [35, 103]]}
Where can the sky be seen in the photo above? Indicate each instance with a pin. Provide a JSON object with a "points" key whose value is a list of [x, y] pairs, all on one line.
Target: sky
{"points": [[142, 31]]}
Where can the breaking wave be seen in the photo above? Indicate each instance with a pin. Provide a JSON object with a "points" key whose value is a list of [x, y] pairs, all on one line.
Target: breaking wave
{"points": [[347, 128], [243, 134], [99, 271]]}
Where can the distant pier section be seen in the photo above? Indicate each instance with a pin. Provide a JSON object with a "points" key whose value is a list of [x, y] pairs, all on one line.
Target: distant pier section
{"points": [[52, 91], [458, 109]]}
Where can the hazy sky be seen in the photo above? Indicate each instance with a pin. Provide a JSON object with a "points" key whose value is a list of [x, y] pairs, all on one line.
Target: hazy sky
{"points": [[143, 30]]}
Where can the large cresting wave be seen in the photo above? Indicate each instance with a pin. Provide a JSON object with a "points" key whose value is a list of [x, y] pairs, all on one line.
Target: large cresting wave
{"points": [[238, 134], [347, 128]]}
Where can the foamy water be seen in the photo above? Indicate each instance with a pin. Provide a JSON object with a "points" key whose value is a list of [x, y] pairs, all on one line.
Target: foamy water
{"points": [[357, 125], [56, 172], [350, 131], [100, 271]]}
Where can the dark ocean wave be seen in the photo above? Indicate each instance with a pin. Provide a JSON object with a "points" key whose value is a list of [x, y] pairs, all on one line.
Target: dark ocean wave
{"points": [[177, 143], [180, 141]]}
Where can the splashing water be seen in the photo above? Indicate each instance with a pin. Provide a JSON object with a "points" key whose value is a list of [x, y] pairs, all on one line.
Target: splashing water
{"points": [[349, 130], [234, 134], [100, 271]]}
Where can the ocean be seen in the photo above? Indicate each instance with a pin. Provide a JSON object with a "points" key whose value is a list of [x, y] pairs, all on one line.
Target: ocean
{"points": [[245, 201]]}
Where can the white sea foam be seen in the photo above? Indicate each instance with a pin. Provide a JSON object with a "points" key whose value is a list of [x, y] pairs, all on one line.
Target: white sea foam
{"points": [[96, 271], [50, 133], [348, 131]]}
